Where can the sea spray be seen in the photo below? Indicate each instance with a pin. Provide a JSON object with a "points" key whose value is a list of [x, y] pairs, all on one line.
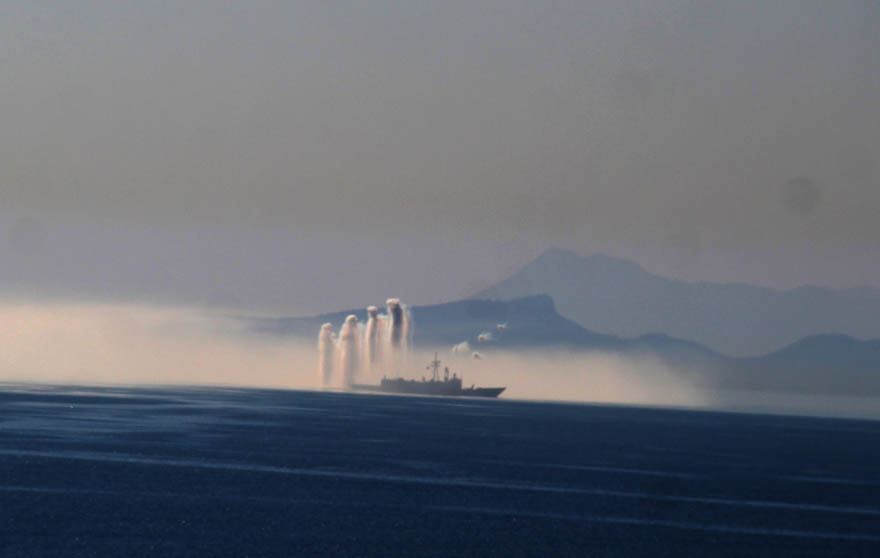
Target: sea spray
{"points": [[399, 329], [397, 335], [326, 352], [349, 350], [365, 352], [371, 345]]}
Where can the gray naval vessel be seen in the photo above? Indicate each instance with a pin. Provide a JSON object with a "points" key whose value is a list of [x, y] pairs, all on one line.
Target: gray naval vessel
{"points": [[435, 386]]}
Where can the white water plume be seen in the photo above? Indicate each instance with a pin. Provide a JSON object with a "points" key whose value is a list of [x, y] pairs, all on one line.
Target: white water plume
{"points": [[365, 354], [398, 333], [371, 347], [399, 330], [349, 345], [326, 354]]}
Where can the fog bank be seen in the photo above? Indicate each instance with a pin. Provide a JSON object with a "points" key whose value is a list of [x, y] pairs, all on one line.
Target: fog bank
{"points": [[83, 343], [562, 375], [128, 344], [95, 344]]}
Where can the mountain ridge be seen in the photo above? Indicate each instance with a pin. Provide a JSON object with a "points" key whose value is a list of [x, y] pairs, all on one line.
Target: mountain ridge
{"points": [[619, 297]]}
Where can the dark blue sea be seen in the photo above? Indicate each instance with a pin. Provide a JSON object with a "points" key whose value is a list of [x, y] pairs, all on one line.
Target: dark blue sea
{"points": [[238, 472]]}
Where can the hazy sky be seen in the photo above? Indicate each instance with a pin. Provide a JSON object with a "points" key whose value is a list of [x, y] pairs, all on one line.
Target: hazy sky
{"points": [[305, 156]]}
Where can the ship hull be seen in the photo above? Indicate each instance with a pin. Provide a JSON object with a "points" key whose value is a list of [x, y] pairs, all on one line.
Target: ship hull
{"points": [[483, 392], [428, 388]]}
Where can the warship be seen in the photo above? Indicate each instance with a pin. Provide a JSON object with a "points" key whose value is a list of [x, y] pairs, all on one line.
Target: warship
{"points": [[435, 386]]}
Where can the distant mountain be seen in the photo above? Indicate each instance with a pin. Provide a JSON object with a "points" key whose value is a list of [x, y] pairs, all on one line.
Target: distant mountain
{"points": [[824, 364], [618, 297]]}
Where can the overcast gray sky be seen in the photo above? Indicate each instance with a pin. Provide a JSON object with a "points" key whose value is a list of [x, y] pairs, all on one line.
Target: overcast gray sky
{"points": [[303, 156]]}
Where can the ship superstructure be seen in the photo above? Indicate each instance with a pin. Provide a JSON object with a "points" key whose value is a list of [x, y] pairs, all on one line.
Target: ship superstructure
{"points": [[433, 386]]}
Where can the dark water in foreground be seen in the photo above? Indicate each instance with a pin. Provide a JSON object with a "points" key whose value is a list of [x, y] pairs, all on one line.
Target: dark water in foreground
{"points": [[222, 472]]}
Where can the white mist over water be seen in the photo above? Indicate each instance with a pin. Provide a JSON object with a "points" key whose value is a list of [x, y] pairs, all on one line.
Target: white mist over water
{"points": [[88, 343], [563, 375], [91, 344]]}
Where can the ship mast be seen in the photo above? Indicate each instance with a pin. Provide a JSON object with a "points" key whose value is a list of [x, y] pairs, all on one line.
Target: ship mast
{"points": [[434, 367]]}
